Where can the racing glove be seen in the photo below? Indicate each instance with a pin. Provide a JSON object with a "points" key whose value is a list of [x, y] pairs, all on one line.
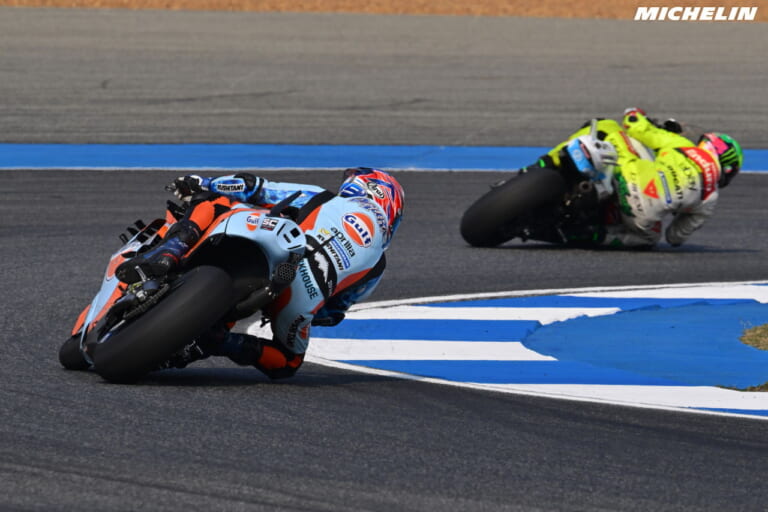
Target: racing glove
{"points": [[329, 320], [185, 187]]}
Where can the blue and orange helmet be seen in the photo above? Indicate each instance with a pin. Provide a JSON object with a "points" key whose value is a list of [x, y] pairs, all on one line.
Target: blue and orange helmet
{"points": [[381, 188]]}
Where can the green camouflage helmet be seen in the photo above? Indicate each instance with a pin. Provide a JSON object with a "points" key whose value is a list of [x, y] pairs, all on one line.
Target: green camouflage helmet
{"points": [[728, 152]]}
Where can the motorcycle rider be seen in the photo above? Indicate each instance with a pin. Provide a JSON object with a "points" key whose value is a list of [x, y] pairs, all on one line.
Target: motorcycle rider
{"points": [[683, 178], [347, 236]]}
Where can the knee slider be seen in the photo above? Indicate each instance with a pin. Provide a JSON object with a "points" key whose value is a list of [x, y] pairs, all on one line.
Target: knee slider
{"points": [[276, 364], [186, 231]]}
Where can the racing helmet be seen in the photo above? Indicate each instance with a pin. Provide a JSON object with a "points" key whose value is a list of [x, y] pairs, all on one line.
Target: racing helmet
{"points": [[381, 188], [728, 152]]}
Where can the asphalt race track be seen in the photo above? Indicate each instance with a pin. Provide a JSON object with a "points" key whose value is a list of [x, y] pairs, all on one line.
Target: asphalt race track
{"points": [[219, 437]]}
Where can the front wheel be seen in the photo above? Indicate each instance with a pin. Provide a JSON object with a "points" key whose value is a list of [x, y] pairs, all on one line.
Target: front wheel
{"points": [[70, 355], [486, 223], [199, 298]]}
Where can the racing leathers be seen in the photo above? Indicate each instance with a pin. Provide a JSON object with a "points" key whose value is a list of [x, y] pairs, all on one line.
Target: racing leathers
{"points": [[343, 263], [681, 180]]}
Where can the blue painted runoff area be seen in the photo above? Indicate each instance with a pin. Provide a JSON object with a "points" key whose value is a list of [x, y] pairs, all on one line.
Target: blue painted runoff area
{"points": [[649, 341], [694, 345], [749, 412], [282, 156]]}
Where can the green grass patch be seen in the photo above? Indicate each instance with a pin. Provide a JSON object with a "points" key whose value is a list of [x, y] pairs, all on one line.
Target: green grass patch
{"points": [[756, 337]]}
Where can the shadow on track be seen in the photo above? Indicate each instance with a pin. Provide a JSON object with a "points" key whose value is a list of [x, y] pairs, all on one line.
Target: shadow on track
{"points": [[310, 376], [661, 249]]}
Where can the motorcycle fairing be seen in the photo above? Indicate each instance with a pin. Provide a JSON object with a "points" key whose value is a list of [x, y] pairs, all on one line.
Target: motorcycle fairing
{"points": [[280, 239]]}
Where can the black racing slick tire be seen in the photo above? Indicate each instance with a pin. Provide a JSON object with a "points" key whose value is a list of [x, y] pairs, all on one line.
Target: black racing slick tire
{"points": [[486, 223], [199, 298], [70, 355]]}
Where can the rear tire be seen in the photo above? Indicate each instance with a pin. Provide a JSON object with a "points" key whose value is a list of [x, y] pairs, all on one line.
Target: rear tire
{"points": [[485, 223], [201, 298]]}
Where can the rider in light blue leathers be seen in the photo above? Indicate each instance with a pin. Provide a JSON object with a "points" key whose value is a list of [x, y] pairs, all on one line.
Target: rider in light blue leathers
{"points": [[347, 234]]}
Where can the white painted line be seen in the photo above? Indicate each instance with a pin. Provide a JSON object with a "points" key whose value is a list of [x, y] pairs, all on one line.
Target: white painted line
{"points": [[615, 396], [542, 315], [758, 293], [416, 350], [554, 291], [649, 396]]}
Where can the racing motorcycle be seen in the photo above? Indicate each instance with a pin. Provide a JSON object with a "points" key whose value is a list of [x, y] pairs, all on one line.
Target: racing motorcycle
{"points": [[239, 266], [565, 206]]}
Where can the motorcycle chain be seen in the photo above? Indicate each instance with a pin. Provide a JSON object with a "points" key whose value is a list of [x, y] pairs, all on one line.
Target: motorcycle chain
{"points": [[148, 303]]}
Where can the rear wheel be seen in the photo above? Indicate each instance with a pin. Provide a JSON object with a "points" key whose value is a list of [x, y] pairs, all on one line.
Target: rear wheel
{"points": [[198, 300], [487, 222]]}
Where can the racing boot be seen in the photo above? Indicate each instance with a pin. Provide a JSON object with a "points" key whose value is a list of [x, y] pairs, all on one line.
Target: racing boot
{"points": [[162, 259], [271, 358], [208, 344], [188, 354]]}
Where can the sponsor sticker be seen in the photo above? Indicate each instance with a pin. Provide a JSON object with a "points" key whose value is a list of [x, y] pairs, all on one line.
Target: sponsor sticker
{"points": [[695, 13], [230, 187], [366, 204], [269, 223], [309, 285], [665, 186], [578, 155], [252, 222], [293, 330], [375, 190], [650, 190], [359, 228], [710, 171], [339, 254], [348, 247]]}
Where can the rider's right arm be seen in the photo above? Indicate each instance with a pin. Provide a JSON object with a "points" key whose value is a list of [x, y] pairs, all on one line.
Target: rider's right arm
{"points": [[621, 236], [335, 309], [639, 127], [689, 220], [336, 306]]}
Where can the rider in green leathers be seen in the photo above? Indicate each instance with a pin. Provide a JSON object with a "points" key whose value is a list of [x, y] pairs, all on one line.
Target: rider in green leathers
{"points": [[677, 176]]}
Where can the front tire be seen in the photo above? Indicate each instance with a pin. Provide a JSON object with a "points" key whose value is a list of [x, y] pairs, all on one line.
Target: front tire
{"points": [[486, 222], [70, 355], [202, 297]]}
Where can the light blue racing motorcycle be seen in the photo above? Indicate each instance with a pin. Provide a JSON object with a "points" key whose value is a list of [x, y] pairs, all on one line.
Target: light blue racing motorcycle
{"points": [[239, 266]]}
